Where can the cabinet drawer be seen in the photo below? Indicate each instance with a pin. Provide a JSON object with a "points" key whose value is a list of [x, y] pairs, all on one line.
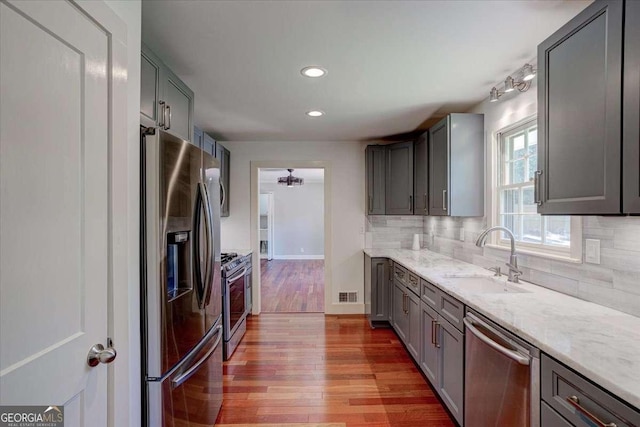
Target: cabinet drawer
{"points": [[429, 293], [577, 399], [400, 274], [550, 418], [413, 284], [451, 309]]}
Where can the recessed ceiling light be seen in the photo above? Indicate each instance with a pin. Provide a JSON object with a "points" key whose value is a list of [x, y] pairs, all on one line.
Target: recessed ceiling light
{"points": [[315, 113], [313, 71]]}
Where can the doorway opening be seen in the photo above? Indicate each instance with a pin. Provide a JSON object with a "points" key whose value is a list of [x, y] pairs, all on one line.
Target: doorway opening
{"points": [[291, 230]]}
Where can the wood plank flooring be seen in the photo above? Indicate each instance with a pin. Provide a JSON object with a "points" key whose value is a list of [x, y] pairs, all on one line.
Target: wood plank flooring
{"points": [[316, 370], [289, 286]]}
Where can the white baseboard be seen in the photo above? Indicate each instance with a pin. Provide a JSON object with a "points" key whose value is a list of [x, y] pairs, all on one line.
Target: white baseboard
{"points": [[345, 308], [298, 257]]}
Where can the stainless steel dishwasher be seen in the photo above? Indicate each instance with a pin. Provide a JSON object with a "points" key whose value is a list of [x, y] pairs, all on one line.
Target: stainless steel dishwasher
{"points": [[502, 377]]}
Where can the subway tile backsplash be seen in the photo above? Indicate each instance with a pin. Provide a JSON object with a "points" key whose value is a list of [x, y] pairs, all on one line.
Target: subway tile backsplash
{"points": [[615, 282], [392, 232]]}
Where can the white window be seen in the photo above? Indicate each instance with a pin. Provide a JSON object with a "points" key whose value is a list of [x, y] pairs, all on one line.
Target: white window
{"points": [[516, 209]]}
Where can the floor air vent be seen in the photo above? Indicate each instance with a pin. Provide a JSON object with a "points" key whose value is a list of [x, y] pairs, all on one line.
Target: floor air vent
{"points": [[351, 296]]}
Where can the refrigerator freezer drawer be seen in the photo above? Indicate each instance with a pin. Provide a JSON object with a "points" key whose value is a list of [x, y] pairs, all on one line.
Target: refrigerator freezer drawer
{"points": [[192, 395]]}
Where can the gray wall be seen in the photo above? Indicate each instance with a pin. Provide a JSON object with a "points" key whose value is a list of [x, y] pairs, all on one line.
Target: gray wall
{"points": [[298, 220]]}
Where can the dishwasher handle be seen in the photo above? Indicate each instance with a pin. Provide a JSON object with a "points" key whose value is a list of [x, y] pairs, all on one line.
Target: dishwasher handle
{"points": [[518, 357]]}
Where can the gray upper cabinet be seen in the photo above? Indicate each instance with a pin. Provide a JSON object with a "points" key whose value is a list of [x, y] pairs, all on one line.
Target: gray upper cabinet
{"points": [[209, 144], [399, 183], [377, 301], [149, 89], [631, 110], [179, 107], [456, 166], [198, 137], [421, 177], [165, 101], [579, 113], [224, 156], [376, 176]]}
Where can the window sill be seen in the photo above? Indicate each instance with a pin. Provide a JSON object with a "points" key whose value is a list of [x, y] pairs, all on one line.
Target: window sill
{"points": [[546, 255]]}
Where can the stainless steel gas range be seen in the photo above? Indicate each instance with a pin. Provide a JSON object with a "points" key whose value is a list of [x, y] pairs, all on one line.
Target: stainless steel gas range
{"points": [[236, 299]]}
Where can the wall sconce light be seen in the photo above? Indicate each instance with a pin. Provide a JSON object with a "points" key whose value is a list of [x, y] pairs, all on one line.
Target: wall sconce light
{"points": [[522, 83]]}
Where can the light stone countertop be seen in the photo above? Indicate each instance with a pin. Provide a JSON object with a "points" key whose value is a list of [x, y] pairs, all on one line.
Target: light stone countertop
{"points": [[601, 343]]}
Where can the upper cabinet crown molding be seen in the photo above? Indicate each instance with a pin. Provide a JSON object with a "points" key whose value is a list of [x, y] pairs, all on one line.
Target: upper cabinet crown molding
{"points": [[585, 124], [165, 101]]}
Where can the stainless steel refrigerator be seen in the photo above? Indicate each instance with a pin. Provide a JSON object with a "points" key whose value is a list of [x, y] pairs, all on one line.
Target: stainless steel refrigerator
{"points": [[181, 294]]}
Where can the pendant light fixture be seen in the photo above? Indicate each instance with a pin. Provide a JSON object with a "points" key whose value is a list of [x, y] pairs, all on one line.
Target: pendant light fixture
{"points": [[290, 180]]}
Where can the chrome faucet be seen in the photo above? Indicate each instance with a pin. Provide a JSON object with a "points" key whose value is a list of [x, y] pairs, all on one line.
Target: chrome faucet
{"points": [[514, 273]]}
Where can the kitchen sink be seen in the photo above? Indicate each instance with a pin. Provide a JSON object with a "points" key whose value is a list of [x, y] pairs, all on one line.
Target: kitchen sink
{"points": [[485, 285]]}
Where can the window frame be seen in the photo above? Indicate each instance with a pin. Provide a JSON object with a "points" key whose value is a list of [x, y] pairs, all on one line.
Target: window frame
{"points": [[573, 253]]}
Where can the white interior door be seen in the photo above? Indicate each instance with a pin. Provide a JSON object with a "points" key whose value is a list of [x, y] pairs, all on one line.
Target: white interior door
{"points": [[54, 207]]}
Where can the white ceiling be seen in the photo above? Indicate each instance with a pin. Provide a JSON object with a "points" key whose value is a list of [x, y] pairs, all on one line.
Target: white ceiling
{"points": [[392, 64], [309, 175]]}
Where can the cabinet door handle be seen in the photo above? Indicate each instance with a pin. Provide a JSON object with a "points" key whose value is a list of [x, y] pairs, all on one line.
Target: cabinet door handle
{"points": [[575, 402], [411, 203], [425, 202], [162, 113], [437, 334], [168, 121], [444, 200], [433, 331], [536, 188], [370, 204]]}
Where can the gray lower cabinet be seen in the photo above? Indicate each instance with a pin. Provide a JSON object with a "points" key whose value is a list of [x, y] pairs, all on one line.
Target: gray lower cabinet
{"points": [[406, 318], [450, 383], [571, 397], [376, 288], [428, 350], [376, 166], [400, 317], [224, 156], [399, 182], [631, 110], [442, 346], [421, 176], [456, 166], [414, 330], [165, 101]]}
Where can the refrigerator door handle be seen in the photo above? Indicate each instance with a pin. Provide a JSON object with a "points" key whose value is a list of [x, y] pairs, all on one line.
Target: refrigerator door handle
{"points": [[197, 246], [186, 374], [208, 274]]}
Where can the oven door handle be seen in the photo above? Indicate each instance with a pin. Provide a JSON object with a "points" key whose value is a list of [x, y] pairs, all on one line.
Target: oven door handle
{"points": [[237, 276], [514, 355]]}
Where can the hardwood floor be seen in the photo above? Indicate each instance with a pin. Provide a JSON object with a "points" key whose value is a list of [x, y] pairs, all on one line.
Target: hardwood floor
{"points": [[289, 286], [316, 370]]}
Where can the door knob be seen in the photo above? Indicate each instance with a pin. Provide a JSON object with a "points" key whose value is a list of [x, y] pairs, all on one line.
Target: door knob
{"points": [[99, 354]]}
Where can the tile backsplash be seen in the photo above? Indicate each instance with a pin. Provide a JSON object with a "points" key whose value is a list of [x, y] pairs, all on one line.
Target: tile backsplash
{"points": [[392, 232], [615, 282]]}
